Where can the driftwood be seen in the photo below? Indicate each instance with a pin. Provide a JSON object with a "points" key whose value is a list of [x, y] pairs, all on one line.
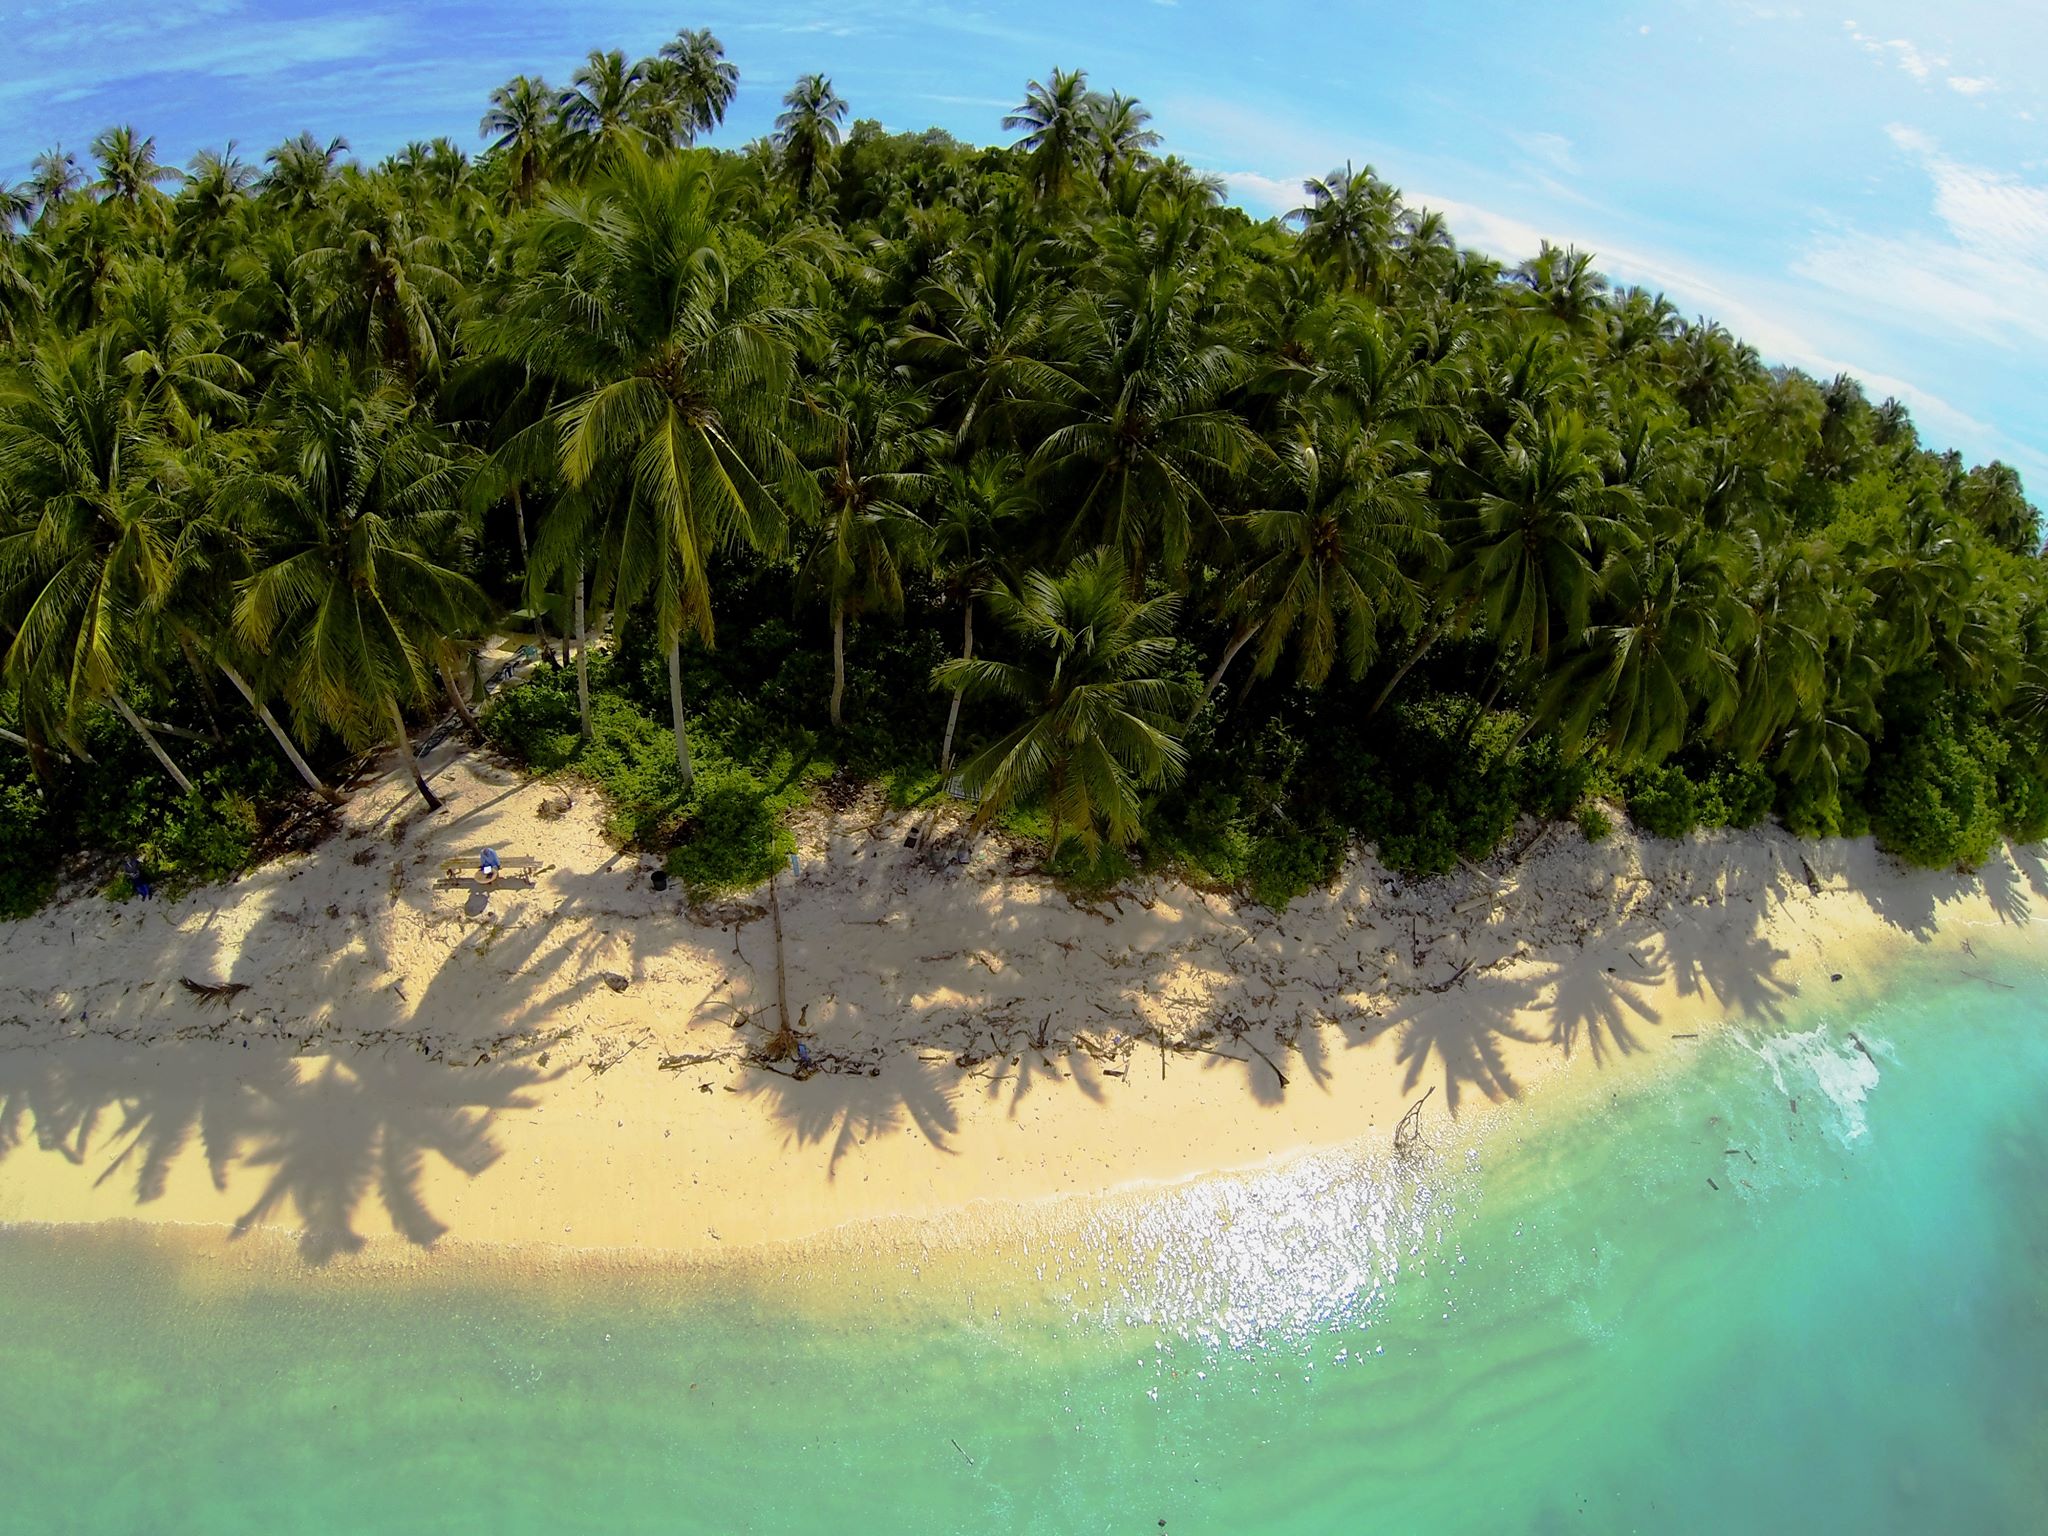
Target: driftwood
{"points": [[1409, 1131], [222, 992]]}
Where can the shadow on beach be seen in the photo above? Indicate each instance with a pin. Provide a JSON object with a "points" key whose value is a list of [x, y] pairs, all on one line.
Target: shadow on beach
{"points": [[915, 991]]}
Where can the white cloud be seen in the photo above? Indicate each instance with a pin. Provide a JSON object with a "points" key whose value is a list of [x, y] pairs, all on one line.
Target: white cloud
{"points": [[1909, 56], [1971, 85], [1553, 149], [1985, 274], [1263, 194]]}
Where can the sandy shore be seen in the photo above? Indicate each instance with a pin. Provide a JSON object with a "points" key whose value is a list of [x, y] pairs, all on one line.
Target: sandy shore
{"points": [[572, 1059]]}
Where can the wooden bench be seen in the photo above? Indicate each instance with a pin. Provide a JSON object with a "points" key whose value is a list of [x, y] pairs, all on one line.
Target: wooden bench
{"points": [[460, 872]]}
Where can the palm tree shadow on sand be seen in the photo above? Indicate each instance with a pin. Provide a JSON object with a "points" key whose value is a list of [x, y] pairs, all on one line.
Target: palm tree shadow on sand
{"points": [[346, 1130], [846, 1110]]}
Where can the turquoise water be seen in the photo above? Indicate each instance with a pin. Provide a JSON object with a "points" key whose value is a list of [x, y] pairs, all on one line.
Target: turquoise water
{"points": [[1568, 1327]]}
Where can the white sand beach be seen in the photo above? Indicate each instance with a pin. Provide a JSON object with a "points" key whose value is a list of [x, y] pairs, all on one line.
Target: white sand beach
{"points": [[572, 1059]]}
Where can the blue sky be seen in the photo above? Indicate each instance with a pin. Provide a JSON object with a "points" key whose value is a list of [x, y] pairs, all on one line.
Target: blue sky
{"points": [[1861, 186]]}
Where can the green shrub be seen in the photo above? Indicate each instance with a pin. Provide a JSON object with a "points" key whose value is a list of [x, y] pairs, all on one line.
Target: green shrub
{"points": [[1549, 782], [28, 850], [633, 759], [1811, 809], [205, 838], [1291, 861], [733, 838], [1206, 831], [1742, 795], [1444, 785], [1090, 874], [1663, 802], [1933, 796], [1593, 822], [536, 722], [2023, 799], [2023, 790]]}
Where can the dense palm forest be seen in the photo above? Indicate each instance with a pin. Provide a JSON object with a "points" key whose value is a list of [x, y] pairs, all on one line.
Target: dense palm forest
{"points": [[1036, 471]]}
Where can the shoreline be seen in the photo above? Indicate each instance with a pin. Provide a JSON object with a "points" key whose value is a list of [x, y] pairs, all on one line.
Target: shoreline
{"points": [[414, 1074]]}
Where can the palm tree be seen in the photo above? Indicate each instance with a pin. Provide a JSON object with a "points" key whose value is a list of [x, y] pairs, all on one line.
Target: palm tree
{"points": [[356, 531], [129, 172], [1916, 571], [599, 111], [54, 177], [1119, 133], [210, 557], [1348, 227], [1660, 663], [705, 81], [1148, 434], [1055, 121], [975, 503], [1338, 557], [174, 350], [807, 131], [1101, 717], [1562, 285], [1709, 369], [384, 281], [868, 491], [301, 169], [1541, 517], [216, 187], [83, 571], [978, 333], [671, 337], [521, 126]]}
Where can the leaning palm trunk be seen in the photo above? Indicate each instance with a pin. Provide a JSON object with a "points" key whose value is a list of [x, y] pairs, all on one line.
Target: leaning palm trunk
{"points": [[191, 653], [1430, 636], [675, 706], [953, 714], [38, 761], [403, 738], [148, 736], [455, 697], [277, 734], [582, 659], [838, 660], [1238, 642]]}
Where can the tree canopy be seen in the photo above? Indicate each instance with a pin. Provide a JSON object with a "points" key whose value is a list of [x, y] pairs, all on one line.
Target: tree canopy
{"points": [[779, 418]]}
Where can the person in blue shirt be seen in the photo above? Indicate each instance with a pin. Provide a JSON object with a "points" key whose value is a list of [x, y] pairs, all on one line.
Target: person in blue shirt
{"points": [[487, 866]]}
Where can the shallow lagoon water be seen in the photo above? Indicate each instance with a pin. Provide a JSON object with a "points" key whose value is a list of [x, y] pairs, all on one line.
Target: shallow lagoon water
{"points": [[1665, 1301]]}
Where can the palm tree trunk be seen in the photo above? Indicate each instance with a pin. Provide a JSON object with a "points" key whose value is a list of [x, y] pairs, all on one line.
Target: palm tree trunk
{"points": [[838, 660], [1238, 642], [455, 697], [582, 658], [277, 733], [1430, 636], [675, 707], [953, 714], [403, 738], [540, 623], [149, 740]]}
